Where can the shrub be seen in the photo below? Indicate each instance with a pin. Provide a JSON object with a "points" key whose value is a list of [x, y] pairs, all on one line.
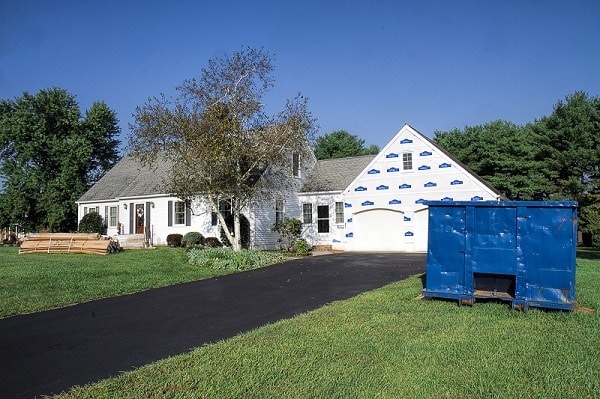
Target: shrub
{"points": [[226, 259], [92, 222], [212, 242], [302, 247], [290, 230], [174, 240], [191, 239]]}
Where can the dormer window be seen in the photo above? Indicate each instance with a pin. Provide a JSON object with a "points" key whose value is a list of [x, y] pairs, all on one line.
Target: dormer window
{"points": [[296, 164]]}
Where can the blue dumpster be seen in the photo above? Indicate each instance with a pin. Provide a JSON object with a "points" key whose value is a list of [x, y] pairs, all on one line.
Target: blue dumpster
{"points": [[517, 251]]}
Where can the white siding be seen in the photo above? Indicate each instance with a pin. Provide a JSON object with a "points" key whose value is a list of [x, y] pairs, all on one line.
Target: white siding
{"points": [[384, 209], [335, 237]]}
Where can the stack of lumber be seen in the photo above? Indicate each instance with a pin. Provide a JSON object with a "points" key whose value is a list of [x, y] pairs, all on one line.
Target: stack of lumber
{"points": [[72, 243]]}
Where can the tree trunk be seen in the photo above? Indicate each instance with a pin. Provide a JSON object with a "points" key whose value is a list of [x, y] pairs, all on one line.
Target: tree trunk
{"points": [[236, 244]]}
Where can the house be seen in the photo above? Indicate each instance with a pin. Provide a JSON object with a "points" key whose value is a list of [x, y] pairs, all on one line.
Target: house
{"points": [[365, 203]]}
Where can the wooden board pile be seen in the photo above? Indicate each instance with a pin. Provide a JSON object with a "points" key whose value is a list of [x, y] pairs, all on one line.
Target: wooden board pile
{"points": [[68, 243]]}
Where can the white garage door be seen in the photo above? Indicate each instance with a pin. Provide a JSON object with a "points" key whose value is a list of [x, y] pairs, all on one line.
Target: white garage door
{"points": [[390, 230], [379, 230]]}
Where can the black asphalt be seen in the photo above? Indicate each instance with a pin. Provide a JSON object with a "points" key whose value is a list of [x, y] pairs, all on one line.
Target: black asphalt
{"points": [[49, 352]]}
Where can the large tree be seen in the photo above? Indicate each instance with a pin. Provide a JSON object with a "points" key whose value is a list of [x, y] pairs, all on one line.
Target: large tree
{"points": [[554, 158], [512, 158], [50, 155], [340, 144], [222, 145]]}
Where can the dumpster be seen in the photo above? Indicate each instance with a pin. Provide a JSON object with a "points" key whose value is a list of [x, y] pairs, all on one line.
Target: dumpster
{"points": [[517, 251]]}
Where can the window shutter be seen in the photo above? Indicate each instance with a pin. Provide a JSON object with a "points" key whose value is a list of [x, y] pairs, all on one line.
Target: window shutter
{"points": [[131, 218], [170, 214], [148, 206], [188, 216], [106, 216]]}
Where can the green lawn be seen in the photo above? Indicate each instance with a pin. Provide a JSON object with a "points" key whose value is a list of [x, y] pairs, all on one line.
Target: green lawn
{"points": [[388, 344], [33, 282]]}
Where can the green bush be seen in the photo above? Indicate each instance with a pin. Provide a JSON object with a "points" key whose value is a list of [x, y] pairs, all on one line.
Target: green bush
{"points": [[290, 230], [227, 259], [302, 247], [92, 222], [212, 242], [174, 240], [191, 239]]}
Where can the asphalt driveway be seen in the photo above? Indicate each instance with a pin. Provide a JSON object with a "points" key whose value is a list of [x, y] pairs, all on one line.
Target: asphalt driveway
{"points": [[49, 352]]}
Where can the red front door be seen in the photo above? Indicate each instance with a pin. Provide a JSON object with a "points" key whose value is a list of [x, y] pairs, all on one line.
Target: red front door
{"points": [[139, 219]]}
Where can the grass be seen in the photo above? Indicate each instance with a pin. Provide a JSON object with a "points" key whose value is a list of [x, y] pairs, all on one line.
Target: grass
{"points": [[34, 282], [387, 344], [381, 344]]}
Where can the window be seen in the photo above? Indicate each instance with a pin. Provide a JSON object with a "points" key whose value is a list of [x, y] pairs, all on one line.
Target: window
{"points": [[339, 212], [407, 161], [112, 216], [306, 213], [296, 164], [179, 212], [323, 218], [214, 219], [278, 211]]}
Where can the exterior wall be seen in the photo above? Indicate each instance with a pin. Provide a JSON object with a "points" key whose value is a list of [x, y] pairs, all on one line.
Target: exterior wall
{"points": [[335, 238], [262, 215], [156, 217], [262, 218], [386, 197]]}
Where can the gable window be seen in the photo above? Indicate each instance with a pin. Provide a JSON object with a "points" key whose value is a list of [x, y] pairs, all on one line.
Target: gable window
{"points": [[323, 218], [296, 164], [278, 211], [407, 161], [112, 216], [339, 212], [179, 212], [307, 213]]}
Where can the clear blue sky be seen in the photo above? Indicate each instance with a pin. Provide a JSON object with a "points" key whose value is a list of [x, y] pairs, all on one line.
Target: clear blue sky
{"points": [[366, 66]]}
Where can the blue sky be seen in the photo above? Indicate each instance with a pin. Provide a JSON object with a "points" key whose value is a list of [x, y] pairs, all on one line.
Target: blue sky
{"points": [[367, 67]]}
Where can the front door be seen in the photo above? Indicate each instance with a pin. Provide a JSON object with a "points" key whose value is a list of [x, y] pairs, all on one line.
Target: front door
{"points": [[139, 219]]}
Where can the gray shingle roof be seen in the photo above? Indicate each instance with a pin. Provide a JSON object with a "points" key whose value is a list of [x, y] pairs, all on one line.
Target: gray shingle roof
{"points": [[128, 178], [335, 174]]}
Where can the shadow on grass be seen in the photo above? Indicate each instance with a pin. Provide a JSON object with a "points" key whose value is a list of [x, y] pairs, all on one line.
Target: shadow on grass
{"points": [[588, 253]]}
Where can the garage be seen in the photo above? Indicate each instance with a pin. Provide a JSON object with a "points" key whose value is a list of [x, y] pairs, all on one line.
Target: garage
{"points": [[390, 230]]}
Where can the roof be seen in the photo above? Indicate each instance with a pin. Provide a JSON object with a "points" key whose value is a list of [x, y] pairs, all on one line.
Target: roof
{"points": [[335, 174], [128, 178]]}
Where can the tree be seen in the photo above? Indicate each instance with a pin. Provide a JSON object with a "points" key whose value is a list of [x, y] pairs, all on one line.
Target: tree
{"points": [[222, 145], [510, 157], [340, 144], [554, 158], [50, 155], [572, 132]]}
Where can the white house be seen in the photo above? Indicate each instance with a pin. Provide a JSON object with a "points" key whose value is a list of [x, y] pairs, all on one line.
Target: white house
{"points": [[365, 203]]}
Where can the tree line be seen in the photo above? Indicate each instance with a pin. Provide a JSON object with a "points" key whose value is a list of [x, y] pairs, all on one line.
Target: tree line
{"points": [[50, 154], [556, 157]]}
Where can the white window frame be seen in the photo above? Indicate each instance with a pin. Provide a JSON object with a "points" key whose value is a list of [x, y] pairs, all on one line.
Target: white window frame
{"points": [[307, 213], [179, 214], [407, 161], [323, 219], [296, 164], [339, 212], [279, 211], [113, 219]]}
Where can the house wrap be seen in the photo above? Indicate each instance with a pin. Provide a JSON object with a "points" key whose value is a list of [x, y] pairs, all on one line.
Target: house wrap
{"points": [[364, 203]]}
